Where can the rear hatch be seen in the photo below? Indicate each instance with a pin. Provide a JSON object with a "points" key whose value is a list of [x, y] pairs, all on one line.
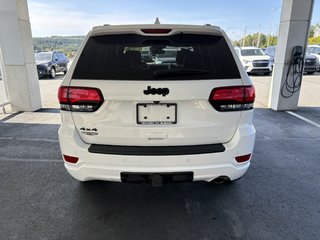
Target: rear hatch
{"points": [[137, 99]]}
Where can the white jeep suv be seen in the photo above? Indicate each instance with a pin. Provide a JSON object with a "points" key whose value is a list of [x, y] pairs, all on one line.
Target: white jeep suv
{"points": [[130, 120]]}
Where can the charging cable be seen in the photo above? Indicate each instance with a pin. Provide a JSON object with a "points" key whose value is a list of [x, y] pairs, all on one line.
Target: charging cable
{"points": [[291, 86]]}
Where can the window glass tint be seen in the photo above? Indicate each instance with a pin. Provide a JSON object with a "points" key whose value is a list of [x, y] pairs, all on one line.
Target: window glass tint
{"points": [[63, 57], [58, 55], [237, 51], [309, 49], [43, 56], [135, 57], [316, 50], [252, 52], [55, 56], [271, 51]]}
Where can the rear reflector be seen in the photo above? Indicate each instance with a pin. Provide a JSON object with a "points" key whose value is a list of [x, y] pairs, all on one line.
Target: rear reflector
{"points": [[243, 158], [156, 31], [234, 98], [70, 159], [80, 99]]}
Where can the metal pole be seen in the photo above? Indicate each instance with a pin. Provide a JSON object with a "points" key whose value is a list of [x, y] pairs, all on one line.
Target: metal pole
{"points": [[270, 29], [259, 34], [244, 36]]}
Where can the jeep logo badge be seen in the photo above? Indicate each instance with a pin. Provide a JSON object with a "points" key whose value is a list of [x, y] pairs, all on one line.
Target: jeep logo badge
{"points": [[160, 91]]}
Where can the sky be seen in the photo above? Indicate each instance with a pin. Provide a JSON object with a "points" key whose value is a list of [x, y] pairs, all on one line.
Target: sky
{"points": [[77, 17]]}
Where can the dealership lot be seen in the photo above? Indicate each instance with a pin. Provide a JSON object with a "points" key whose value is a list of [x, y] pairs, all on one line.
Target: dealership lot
{"points": [[278, 198]]}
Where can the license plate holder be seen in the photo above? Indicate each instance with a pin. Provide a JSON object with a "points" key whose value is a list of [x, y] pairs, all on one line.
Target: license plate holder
{"points": [[156, 113]]}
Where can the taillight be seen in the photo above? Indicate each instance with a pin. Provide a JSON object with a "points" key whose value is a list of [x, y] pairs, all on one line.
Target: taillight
{"points": [[80, 99], [235, 98], [70, 159], [156, 31]]}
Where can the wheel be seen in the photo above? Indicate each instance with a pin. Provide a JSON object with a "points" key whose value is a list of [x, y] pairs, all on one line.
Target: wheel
{"points": [[52, 73], [65, 70]]}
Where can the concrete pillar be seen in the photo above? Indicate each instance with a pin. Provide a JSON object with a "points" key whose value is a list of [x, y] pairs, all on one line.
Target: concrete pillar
{"points": [[294, 30], [19, 66]]}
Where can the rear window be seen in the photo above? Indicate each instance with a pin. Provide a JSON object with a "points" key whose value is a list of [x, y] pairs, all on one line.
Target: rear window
{"points": [[135, 57]]}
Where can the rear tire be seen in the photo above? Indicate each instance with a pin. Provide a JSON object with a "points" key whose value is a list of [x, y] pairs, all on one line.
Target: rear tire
{"points": [[52, 73], [310, 73]]}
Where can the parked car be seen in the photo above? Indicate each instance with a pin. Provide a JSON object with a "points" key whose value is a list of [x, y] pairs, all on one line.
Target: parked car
{"points": [[271, 52], [254, 60], [315, 51], [311, 64], [156, 122], [50, 63], [146, 57], [168, 56]]}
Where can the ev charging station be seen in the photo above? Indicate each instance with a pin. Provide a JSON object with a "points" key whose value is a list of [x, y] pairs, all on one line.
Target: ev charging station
{"points": [[292, 41], [21, 78]]}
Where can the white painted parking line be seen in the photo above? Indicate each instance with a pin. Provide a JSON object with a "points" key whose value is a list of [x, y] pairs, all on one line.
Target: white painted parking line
{"points": [[31, 160], [304, 119], [30, 139]]}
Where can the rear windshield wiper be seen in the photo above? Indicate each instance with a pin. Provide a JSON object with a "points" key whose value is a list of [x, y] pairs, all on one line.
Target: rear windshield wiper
{"points": [[178, 72]]}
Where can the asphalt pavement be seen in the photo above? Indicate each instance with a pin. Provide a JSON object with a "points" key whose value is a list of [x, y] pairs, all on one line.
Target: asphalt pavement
{"points": [[278, 198]]}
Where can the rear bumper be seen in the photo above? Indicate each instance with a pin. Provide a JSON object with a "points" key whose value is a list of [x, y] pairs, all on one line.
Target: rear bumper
{"points": [[252, 69], [42, 73], [156, 150], [258, 70], [310, 68], [205, 167]]}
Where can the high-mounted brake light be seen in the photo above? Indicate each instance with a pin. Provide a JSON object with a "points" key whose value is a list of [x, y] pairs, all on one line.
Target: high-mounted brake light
{"points": [[156, 31], [80, 99], [234, 98]]}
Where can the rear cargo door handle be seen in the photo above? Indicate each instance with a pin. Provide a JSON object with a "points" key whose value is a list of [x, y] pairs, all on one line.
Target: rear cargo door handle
{"points": [[156, 136]]}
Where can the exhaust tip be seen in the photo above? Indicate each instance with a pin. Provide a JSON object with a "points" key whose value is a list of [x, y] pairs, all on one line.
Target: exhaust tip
{"points": [[221, 180]]}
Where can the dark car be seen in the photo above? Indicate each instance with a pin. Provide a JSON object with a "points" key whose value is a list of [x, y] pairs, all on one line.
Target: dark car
{"points": [[310, 61], [50, 63]]}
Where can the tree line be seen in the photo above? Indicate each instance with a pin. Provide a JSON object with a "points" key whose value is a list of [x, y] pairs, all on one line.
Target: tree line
{"points": [[253, 39], [70, 44], [256, 40]]}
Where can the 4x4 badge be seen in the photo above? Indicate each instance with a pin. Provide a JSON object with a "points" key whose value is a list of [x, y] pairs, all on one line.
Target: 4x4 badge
{"points": [[160, 91], [89, 131]]}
